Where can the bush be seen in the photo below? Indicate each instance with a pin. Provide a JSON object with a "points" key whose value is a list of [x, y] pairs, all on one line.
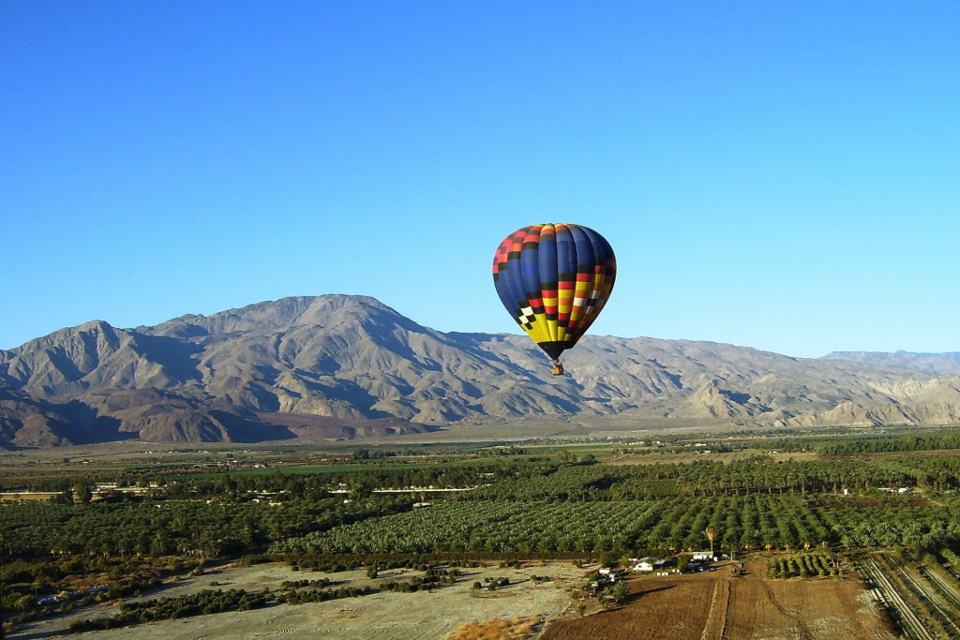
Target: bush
{"points": [[202, 602], [620, 592]]}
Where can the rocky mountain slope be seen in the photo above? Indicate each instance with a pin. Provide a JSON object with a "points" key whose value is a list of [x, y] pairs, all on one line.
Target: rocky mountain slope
{"points": [[937, 364], [349, 366]]}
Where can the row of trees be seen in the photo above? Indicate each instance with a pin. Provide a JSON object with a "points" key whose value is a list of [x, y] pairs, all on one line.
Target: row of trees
{"points": [[801, 565], [297, 481], [949, 557], [200, 603], [25, 582], [546, 507], [758, 475], [938, 621], [552, 478], [216, 601], [540, 527], [921, 527], [912, 442], [188, 528]]}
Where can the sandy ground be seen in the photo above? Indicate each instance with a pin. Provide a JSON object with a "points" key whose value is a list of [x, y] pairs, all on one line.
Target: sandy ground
{"points": [[384, 616], [716, 605]]}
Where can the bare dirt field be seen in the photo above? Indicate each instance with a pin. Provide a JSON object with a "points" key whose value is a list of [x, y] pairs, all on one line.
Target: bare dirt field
{"points": [[674, 607], [717, 605], [809, 608], [384, 616]]}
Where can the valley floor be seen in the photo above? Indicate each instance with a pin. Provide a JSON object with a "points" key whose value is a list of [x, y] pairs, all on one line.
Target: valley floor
{"points": [[713, 605], [385, 615]]}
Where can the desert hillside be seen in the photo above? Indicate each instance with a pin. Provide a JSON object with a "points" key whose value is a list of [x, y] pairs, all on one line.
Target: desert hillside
{"points": [[349, 366]]}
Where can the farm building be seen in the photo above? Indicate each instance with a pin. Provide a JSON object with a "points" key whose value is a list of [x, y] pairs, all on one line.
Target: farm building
{"points": [[648, 564]]}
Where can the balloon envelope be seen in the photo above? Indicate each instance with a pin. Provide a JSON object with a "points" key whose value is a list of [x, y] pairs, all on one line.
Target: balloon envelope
{"points": [[554, 279]]}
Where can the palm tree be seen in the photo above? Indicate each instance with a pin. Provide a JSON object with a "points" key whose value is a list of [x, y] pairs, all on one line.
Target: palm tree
{"points": [[711, 534]]}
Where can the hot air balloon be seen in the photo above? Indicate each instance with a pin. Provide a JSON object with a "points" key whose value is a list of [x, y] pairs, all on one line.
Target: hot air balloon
{"points": [[554, 280]]}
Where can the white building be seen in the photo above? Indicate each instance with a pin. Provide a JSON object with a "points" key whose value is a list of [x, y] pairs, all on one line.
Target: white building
{"points": [[648, 564]]}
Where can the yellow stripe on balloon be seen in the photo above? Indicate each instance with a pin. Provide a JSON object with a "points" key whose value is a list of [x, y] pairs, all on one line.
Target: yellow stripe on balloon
{"points": [[564, 307]]}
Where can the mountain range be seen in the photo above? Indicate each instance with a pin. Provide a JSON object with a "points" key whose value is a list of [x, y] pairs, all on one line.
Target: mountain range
{"points": [[338, 366]]}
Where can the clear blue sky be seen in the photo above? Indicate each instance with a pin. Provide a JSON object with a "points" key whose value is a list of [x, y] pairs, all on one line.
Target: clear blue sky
{"points": [[779, 175]]}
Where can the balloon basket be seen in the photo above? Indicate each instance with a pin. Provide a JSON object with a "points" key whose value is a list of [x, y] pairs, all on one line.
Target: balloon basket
{"points": [[557, 369]]}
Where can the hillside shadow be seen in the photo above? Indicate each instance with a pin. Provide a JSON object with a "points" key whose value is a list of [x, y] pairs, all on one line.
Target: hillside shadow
{"points": [[563, 403], [67, 367], [243, 429], [470, 342], [175, 356], [356, 396], [736, 396], [87, 427]]}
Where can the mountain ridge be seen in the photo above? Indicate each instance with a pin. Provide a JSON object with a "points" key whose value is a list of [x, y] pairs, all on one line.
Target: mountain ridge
{"points": [[947, 363], [340, 366]]}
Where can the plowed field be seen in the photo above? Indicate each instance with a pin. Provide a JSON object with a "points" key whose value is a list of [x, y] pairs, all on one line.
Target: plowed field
{"points": [[717, 605]]}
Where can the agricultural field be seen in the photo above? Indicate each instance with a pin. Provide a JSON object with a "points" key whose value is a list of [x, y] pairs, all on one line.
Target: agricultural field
{"points": [[833, 532], [922, 594], [696, 455], [720, 604], [574, 527]]}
